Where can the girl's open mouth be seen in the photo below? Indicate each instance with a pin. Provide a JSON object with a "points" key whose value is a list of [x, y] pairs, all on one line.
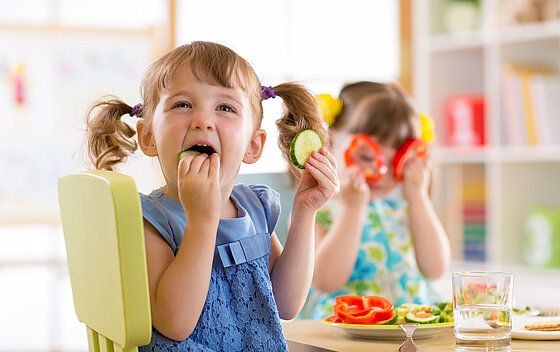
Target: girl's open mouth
{"points": [[202, 149]]}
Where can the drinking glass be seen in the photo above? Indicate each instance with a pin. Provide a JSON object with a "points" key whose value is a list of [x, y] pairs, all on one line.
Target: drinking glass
{"points": [[482, 310]]}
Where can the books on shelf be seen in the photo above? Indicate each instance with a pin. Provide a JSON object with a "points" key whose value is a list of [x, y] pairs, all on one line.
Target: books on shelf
{"points": [[531, 106], [464, 216], [474, 213]]}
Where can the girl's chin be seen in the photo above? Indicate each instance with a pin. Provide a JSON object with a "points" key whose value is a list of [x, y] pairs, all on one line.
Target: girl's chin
{"points": [[379, 190]]}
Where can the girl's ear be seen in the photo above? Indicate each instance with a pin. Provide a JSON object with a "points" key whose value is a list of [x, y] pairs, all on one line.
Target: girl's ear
{"points": [[145, 139], [256, 147]]}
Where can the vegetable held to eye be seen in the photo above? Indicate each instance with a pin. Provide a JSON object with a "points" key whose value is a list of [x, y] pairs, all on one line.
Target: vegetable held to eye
{"points": [[377, 168], [411, 148]]}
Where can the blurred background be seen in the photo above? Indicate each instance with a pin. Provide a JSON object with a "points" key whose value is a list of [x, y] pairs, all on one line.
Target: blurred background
{"points": [[486, 71]]}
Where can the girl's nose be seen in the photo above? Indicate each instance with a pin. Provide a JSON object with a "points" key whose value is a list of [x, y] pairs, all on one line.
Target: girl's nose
{"points": [[202, 120]]}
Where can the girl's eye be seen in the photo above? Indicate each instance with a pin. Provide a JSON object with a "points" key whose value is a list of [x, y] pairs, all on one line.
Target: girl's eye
{"points": [[225, 108], [367, 158], [182, 104]]}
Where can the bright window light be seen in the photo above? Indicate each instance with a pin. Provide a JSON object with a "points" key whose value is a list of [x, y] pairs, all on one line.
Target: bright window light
{"points": [[320, 43]]}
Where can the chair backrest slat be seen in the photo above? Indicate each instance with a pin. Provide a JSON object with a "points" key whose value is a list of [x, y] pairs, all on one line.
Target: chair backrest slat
{"points": [[103, 231]]}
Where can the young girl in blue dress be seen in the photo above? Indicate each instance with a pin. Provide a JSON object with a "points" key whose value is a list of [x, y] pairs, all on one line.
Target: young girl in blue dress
{"points": [[219, 279], [378, 237]]}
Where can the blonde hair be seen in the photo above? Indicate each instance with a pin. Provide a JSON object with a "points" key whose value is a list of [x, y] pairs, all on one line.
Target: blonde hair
{"points": [[387, 114], [110, 140]]}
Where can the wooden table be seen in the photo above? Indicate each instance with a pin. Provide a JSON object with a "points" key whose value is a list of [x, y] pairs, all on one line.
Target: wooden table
{"points": [[311, 335]]}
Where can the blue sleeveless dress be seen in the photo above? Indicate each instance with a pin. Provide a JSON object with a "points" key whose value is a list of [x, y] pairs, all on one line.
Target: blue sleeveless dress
{"points": [[240, 312]]}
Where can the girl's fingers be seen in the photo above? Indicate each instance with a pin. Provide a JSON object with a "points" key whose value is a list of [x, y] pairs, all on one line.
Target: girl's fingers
{"points": [[324, 180], [359, 180], [324, 151], [185, 165], [214, 167], [322, 159], [322, 163], [204, 167], [197, 163], [318, 175]]}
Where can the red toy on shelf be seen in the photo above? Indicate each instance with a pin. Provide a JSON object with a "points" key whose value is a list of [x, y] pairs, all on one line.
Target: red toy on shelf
{"points": [[465, 120]]}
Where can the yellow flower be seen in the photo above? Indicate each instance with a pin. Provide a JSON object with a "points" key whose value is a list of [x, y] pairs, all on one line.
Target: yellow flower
{"points": [[428, 134], [330, 107]]}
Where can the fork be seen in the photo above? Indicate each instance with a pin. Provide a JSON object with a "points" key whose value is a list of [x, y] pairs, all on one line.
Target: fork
{"points": [[408, 344]]}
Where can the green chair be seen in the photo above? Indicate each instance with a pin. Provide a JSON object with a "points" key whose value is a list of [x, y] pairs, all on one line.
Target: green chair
{"points": [[103, 231]]}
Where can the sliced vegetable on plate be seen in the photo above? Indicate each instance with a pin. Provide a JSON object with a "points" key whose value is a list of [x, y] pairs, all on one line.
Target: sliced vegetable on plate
{"points": [[375, 317], [354, 309], [377, 310]]}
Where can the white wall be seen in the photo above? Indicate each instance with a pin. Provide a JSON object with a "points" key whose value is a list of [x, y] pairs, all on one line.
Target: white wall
{"points": [[320, 43]]}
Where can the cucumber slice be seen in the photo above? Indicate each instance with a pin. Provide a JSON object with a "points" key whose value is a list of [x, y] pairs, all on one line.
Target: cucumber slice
{"points": [[422, 318], [187, 152], [302, 145]]}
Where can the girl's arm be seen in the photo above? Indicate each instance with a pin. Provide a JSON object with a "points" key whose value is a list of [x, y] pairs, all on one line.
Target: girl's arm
{"points": [[431, 245], [292, 268], [337, 249], [179, 284]]}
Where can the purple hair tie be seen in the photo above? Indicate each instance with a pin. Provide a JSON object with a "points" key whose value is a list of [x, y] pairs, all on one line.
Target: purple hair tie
{"points": [[267, 92], [137, 110]]}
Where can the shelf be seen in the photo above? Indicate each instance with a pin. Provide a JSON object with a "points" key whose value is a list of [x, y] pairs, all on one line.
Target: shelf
{"points": [[515, 177], [530, 154], [509, 154], [529, 32], [456, 41], [506, 35], [460, 155]]}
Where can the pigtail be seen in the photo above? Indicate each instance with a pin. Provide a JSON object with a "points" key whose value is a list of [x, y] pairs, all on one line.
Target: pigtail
{"points": [[301, 112], [109, 139]]}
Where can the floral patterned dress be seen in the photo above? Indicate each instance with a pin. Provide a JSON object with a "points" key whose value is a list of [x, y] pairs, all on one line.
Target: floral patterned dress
{"points": [[385, 265]]}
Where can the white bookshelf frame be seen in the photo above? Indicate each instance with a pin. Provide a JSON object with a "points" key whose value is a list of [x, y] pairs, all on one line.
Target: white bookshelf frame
{"points": [[489, 45]]}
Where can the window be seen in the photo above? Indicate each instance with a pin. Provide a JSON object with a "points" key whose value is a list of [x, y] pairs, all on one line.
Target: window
{"points": [[321, 43]]}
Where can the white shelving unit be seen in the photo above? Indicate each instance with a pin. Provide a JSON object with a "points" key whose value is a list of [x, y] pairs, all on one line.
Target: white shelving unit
{"points": [[516, 178]]}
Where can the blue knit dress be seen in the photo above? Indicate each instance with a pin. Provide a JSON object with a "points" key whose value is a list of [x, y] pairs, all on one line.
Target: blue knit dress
{"points": [[240, 312]]}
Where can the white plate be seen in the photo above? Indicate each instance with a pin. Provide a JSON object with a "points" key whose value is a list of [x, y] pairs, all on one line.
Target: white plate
{"points": [[518, 332], [389, 332]]}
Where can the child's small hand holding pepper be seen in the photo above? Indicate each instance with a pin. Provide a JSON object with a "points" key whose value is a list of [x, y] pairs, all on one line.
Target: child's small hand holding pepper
{"points": [[416, 178], [354, 190]]}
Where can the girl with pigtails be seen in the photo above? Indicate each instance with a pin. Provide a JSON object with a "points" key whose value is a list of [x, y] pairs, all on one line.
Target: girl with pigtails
{"points": [[218, 276], [380, 235]]}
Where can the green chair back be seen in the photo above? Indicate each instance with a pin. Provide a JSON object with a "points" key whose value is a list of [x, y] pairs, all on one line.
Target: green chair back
{"points": [[103, 232]]}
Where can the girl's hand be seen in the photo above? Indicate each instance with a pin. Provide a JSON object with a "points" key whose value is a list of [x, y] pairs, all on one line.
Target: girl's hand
{"points": [[319, 181], [199, 186], [416, 178], [354, 189]]}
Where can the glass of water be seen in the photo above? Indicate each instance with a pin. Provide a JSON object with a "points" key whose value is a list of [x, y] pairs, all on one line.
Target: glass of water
{"points": [[482, 310]]}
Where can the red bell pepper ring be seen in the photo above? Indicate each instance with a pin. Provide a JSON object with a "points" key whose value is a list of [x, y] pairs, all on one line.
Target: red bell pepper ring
{"points": [[379, 169], [369, 310], [410, 148]]}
